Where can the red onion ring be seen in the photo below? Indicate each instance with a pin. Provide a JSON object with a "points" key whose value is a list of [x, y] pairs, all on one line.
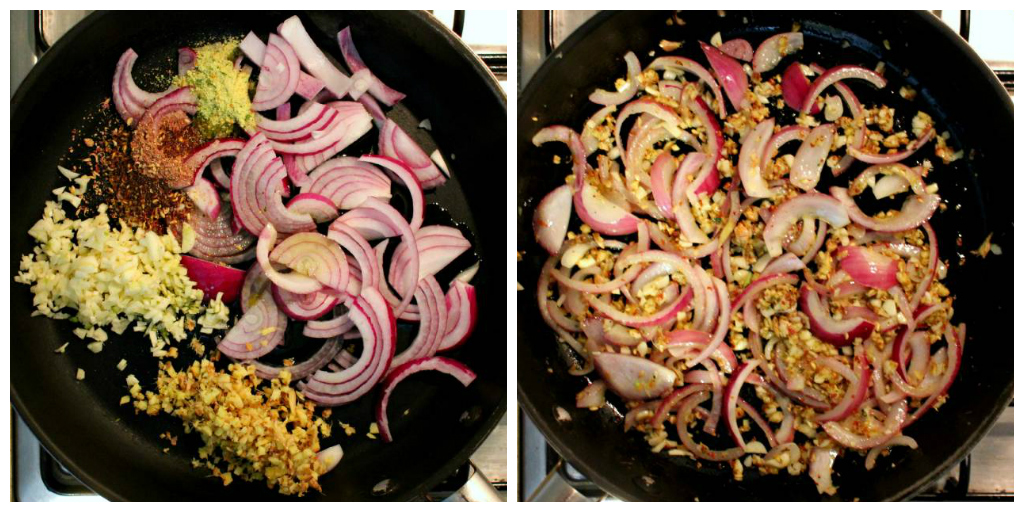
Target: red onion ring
{"points": [[915, 212], [773, 49], [603, 97], [730, 76]]}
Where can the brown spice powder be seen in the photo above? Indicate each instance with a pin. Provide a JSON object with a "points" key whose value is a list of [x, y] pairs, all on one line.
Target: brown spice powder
{"points": [[137, 199]]}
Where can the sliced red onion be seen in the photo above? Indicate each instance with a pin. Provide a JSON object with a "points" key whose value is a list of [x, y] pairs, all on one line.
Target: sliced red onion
{"points": [[384, 215], [795, 87], [347, 126], [667, 312], [661, 177], [327, 328], [903, 178], [313, 59], [313, 255], [732, 394], [221, 178], [644, 105], [933, 263], [838, 333], [685, 175], [820, 469], [619, 97], [773, 49], [894, 421], [362, 254], [869, 461], [461, 303], [186, 60], [668, 403], [298, 371], [722, 328], [438, 246], [270, 177], [856, 391], [181, 99], [254, 48], [205, 197], [566, 135], [257, 332], [701, 450], [551, 219], [707, 179], [245, 201], [404, 174], [440, 364], [683, 64], [254, 287], [810, 158], [304, 307], [301, 127], [890, 158], [320, 208], [915, 212], [130, 101], [601, 214], [787, 134], [783, 265], [375, 320], [592, 396], [868, 267], [750, 159], [802, 244], [395, 143], [730, 76], [433, 323], [377, 88], [671, 89], [347, 182], [835, 75], [587, 136], [376, 112], [279, 75], [955, 340], [633, 378], [216, 239], [329, 458], [738, 49], [759, 285], [804, 206], [214, 279], [294, 282]]}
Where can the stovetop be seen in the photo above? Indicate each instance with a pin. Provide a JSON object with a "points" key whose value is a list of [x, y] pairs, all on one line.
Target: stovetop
{"points": [[37, 476], [986, 474]]}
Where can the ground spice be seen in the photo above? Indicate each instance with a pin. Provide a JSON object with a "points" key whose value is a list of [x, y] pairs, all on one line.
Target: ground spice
{"points": [[221, 90], [161, 146], [131, 196]]}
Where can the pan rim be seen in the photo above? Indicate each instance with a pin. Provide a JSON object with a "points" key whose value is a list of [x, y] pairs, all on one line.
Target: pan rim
{"points": [[1005, 395], [483, 428]]}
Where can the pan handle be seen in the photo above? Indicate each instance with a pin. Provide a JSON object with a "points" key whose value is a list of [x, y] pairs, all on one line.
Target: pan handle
{"points": [[477, 488], [555, 487]]}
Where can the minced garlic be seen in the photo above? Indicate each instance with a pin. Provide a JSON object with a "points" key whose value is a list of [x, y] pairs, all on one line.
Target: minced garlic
{"points": [[113, 277]]}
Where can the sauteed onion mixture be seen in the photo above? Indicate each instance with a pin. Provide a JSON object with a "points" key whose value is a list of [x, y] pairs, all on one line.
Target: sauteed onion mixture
{"points": [[741, 310]]}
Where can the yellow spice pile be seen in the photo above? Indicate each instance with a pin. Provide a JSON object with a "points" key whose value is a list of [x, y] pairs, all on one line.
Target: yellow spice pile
{"points": [[251, 432]]}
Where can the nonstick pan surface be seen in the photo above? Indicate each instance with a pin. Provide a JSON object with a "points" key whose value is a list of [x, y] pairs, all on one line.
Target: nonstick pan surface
{"points": [[954, 86], [117, 453]]}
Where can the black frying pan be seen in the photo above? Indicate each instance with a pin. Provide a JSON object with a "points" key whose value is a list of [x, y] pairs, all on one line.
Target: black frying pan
{"points": [[117, 453], [963, 96]]}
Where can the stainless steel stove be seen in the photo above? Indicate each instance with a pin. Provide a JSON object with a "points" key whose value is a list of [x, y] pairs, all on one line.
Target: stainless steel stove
{"points": [[985, 475], [37, 476]]}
